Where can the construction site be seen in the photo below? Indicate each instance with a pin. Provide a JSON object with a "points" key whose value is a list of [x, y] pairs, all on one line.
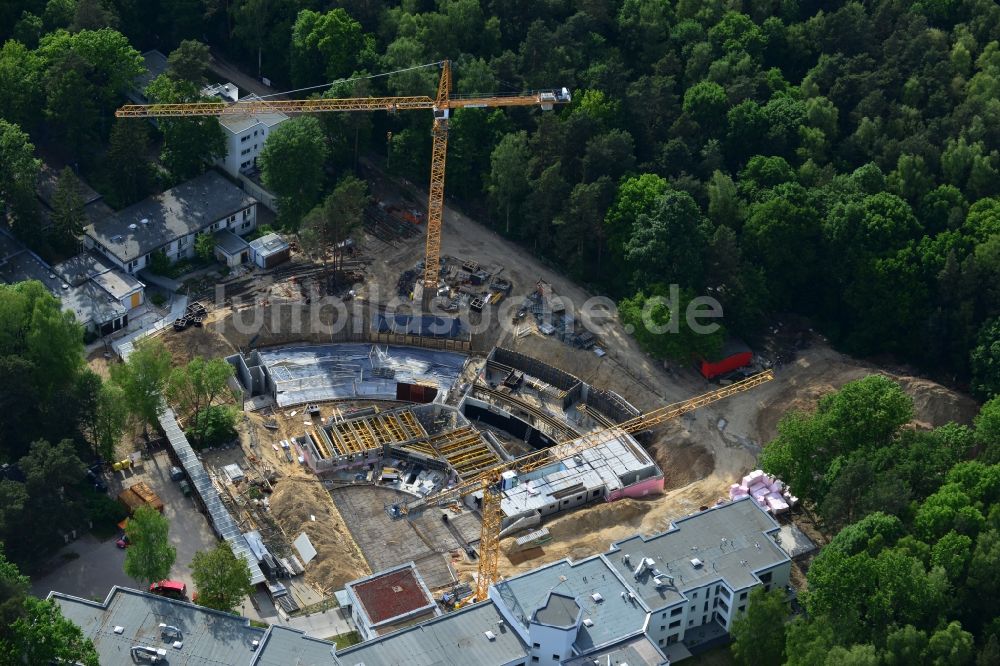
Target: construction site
{"points": [[483, 429]]}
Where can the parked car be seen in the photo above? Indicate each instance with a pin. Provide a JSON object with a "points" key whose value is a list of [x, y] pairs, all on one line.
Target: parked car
{"points": [[174, 589], [185, 487], [94, 477], [176, 473], [123, 541]]}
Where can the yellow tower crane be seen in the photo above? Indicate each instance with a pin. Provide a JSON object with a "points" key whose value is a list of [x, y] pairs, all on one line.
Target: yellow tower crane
{"points": [[494, 480], [441, 105]]}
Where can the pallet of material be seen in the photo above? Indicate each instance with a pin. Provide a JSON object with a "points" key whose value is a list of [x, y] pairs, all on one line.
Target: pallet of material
{"points": [[147, 495]]}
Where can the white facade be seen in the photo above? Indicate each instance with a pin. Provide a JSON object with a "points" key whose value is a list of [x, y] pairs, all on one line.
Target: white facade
{"points": [[240, 223], [245, 137]]}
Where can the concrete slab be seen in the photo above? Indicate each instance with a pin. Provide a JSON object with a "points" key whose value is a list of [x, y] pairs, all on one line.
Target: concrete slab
{"points": [[385, 543]]}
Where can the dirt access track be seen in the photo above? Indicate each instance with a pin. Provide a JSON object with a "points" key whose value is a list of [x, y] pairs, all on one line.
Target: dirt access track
{"points": [[700, 454]]}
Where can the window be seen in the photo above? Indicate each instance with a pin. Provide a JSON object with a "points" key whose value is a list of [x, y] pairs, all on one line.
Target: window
{"points": [[675, 624], [662, 628], [723, 605], [245, 225], [536, 645], [690, 622], [677, 611], [767, 588], [765, 578], [182, 241], [595, 493], [534, 659], [672, 638], [565, 501], [706, 607], [243, 139], [246, 213], [579, 497], [660, 641], [664, 615], [245, 151], [743, 596], [715, 602], [555, 657], [255, 132], [694, 595], [725, 593], [232, 218], [132, 264], [742, 608]]}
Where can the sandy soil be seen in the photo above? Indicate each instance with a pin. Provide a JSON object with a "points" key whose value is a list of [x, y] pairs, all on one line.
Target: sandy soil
{"points": [[700, 454]]}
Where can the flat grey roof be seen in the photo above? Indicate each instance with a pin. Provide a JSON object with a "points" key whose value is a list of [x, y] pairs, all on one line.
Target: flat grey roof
{"points": [[732, 542], [455, 639], [614, 617], [559, 610], [179, 211], [630, 652], [27, 266], [209, 637], [48, 183], [229, 242], [118, 283], [91, 304], [77, 270], [268, 244], [238, 123], [286, 647]]}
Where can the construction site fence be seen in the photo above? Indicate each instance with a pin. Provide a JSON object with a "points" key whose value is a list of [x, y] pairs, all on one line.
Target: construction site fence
{"points": [[532, 366]]}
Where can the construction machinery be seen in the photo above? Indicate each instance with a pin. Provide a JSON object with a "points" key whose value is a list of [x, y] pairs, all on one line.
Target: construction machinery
{"points": [[441, 106], [491, 482]]}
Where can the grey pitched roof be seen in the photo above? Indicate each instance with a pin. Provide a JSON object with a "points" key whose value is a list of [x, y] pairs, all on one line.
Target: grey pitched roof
{"points": [[209, 637], [156, 64], [614, 617], [182, 210], [455, 639], [731, 542]]}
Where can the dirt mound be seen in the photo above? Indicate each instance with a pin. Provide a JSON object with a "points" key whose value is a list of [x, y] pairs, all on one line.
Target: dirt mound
{"points": [[338, 560], [682, 460], [935, 405], [205, 342]]}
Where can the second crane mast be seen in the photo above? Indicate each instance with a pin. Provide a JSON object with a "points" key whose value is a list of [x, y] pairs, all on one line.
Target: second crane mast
{"points": [[441, 105]]}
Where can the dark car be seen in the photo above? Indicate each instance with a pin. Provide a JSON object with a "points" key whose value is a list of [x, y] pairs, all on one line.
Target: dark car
{"points": [[94, 477]]}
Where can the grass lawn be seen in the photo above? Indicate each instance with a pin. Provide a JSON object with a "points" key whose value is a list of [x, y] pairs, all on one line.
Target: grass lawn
{"points": [[345, 640], [720, 656]]}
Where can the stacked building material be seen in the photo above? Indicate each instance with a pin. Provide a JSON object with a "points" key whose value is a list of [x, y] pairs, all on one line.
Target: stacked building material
{"points": [[768, 491]]}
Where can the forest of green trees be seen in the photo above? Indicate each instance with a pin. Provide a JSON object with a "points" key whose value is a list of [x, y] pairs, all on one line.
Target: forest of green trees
{"points": [[838, 160]]}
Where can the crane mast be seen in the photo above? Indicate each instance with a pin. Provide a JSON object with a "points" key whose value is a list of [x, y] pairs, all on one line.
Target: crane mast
{"points": [[441, 106]]}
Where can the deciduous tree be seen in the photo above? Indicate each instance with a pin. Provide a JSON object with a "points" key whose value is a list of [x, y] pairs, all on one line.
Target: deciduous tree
{"points": [[292, 166], [149, 556], [759, 634], [222, 578], [143, 379]]}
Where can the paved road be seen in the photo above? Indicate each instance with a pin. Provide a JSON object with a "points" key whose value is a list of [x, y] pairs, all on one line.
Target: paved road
{"points": [[99, 565]]}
